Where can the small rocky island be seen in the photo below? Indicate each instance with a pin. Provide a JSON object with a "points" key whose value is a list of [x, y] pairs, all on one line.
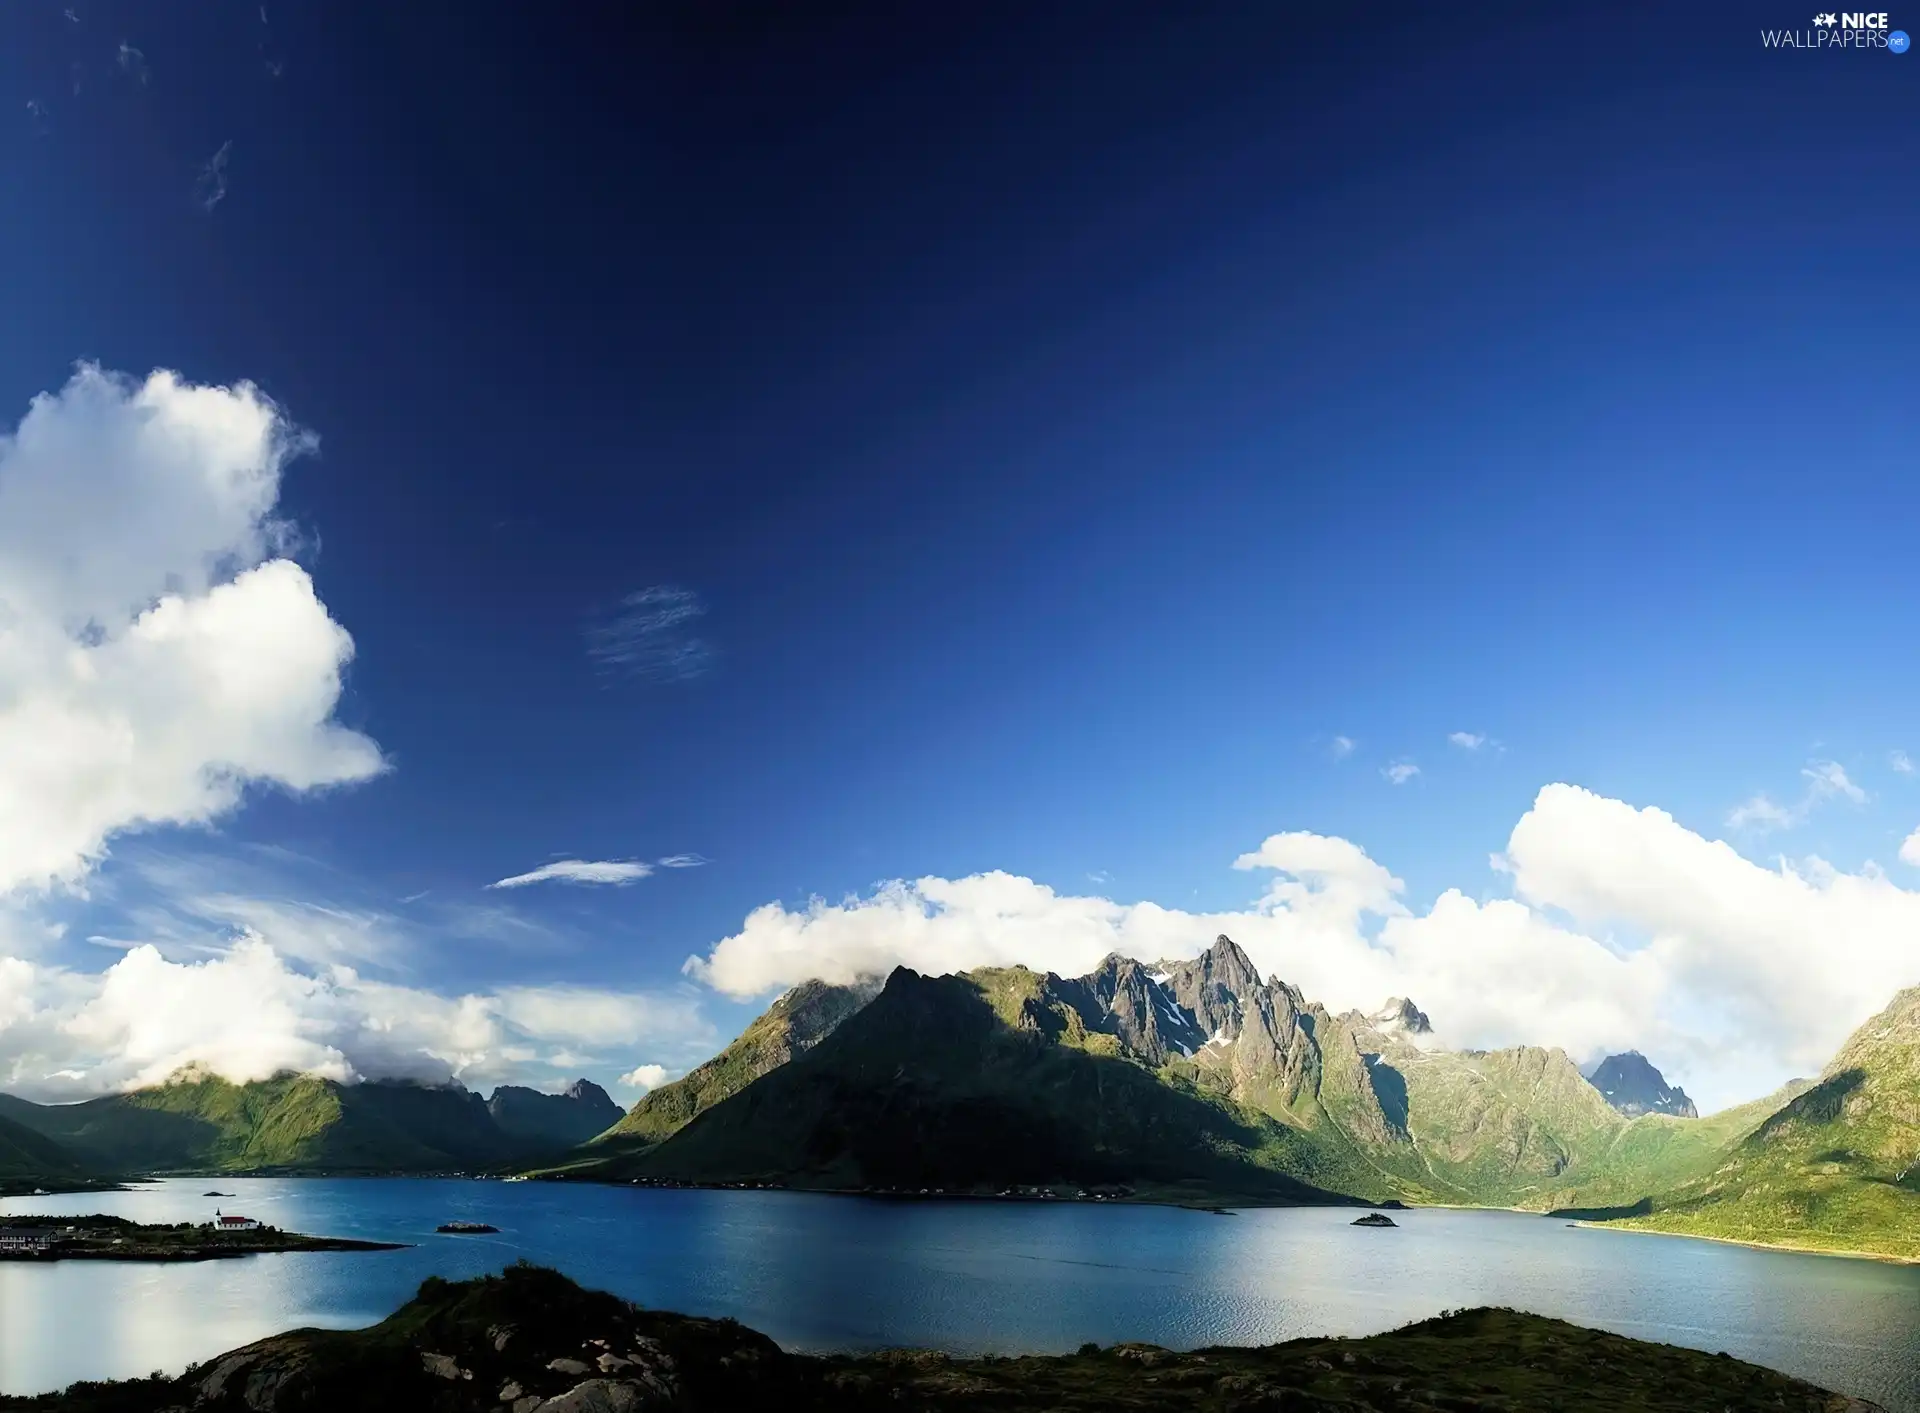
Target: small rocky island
{"points": [[530, 1339], [1375, 1219], [465, 1228], [103, 1238]]}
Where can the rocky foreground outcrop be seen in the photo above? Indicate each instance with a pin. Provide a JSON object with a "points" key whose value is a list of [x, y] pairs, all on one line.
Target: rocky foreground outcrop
{"points": [[531, 1341]]}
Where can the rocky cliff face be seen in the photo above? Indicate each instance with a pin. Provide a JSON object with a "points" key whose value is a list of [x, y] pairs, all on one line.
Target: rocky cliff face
{"points": [[1633, 1086]]}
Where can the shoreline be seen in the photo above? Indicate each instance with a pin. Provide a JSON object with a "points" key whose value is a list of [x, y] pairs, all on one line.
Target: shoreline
{"points": [[1791, 1249]]}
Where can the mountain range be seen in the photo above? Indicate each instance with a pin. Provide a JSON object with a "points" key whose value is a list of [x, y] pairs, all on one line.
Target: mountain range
{"points": [[294, 1123], [1200, 1077], [1192, 1080]]}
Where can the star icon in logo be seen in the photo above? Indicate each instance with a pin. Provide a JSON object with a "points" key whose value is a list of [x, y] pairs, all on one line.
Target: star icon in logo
{"points": [[1827, 21]]}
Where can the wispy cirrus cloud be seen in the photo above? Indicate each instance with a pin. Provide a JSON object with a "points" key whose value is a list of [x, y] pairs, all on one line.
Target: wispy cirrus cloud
{"points": [[1400, 772], [683, 861], [210, 187], [1826, 780], [1341, 747], [1466, 740], [651, 637], [1901, 762], [133, 63], [617, 872]]}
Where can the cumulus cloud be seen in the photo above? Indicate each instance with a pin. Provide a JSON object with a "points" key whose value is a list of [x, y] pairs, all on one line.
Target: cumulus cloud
{"points": [[1910, 849], [618, 872], [1627, 930], [1466, 740], [1400, 772], [1825, 780], [247, 1013], [158, 653], [645, 1077], [652, 636]]}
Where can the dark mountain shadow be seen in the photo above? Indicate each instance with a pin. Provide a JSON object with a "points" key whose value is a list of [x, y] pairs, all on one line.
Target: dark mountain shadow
{"points": [[1642, 1208], [930, 1087], [1822, 1104], [1390, 1089], [110, 1135]]}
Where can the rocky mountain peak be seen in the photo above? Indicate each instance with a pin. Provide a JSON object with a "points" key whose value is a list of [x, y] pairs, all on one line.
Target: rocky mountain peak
{"points": [[587, 1092], [1401, 1017], [1631, 1084], [1124, 999]]}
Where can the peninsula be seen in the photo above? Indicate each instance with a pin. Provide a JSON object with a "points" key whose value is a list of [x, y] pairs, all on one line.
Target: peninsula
{"points": [[104, 1238]]}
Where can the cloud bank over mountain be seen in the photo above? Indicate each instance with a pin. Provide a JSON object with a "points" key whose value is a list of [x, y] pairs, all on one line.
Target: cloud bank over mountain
{"points": [[1736, 975], [247, 1013]]}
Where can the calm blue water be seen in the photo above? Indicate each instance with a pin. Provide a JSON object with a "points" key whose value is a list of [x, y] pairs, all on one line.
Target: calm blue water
{"points": [[845, 1273]]}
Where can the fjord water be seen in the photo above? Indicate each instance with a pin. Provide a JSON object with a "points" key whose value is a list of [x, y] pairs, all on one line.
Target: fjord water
{"points": [[820, 1272]]}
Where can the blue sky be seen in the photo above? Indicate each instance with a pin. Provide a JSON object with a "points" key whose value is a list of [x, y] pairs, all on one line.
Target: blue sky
{"points": [[1056, 433]]}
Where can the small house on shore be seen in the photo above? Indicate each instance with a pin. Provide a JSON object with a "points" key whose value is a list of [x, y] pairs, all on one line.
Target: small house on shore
{"points": [[224, 1222], [25, 1239]]}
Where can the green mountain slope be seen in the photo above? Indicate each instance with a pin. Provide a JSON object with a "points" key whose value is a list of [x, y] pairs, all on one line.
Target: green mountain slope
{"points": [[1364, 1105], [791, 1026], [983, 1081], [29, 1159], [1837, 1167], [289, 1123]]}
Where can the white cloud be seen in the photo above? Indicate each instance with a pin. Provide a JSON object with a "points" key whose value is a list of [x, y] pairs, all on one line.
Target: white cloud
{"points": [[1400, 772], [1901, 762], [1342, 747], [1738, 975], [1910, 849], [615, 871], [156, 656], [1826, 780], [683, 861], [1466, 740], [645, 1077], [246, 1013]]}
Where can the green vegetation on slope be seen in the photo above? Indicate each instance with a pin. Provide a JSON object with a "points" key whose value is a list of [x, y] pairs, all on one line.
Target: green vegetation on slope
{"points": [[530, 1336], [791, 1026], [290, 1123], [976, 1083], [1836, 1168]]}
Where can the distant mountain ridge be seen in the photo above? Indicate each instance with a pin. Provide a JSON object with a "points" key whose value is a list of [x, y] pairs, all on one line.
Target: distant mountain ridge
{"points": [[1633, 1086], [301, 1123], [563, 1120]]}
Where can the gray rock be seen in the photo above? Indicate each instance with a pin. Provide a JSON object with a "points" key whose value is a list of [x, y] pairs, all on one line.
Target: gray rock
{"points": [[598, 1396], [568, 1366], [443, 1366]]}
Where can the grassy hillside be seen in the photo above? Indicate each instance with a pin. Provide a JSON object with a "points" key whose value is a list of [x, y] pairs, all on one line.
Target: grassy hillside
{"points": [[289, 1123], [1835, 1168], [978, 1082], [29, 1160], [791, 1026], [458, 1346]]}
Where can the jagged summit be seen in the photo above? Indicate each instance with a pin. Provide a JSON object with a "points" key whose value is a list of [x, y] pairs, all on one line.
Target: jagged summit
{"points": [[1401, 1017], [1632, 1085]]}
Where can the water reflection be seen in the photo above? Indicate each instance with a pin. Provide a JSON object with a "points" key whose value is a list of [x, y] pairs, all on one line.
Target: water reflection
{"points": [[819, 1272]]}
